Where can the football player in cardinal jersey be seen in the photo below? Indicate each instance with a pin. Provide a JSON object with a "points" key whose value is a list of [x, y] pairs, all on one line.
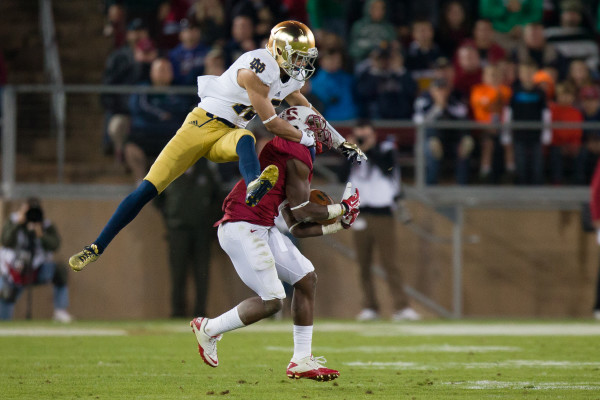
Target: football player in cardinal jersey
{"points": [[252, 85], [263, 257]]}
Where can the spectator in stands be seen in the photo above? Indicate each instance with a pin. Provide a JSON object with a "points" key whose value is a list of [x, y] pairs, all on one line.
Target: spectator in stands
{"points": [[209, 15], [595, 214], [385, 89], [169, 15], [453, 28], [379, 184], [121, 69], [242, 39], [509, 17], [119, 124], [145, 11], [297, 10], [468, 70], [154, 120], [115, 25], [483, 40], [534, 48], [422, 53], [528, 103], [327, 16], [488, 101], [334, 86], [214, 62], [253, 8], [566, 142], [509, 71], [29, 242], [441, 102], [144, 53], [579, 74], [545, 80], [188, 57], [589, 97], [571, 39], [190, 205], [372, 29]]}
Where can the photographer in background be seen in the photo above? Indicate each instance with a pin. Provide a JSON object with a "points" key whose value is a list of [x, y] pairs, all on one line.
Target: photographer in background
{"points": [[26, 258], [379, 184]]}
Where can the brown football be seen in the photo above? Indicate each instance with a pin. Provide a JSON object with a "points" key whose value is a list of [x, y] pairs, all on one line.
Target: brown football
{"points": [[322, 198]]}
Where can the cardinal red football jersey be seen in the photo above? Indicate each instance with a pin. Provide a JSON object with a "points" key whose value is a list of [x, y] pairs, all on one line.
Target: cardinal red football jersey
{"points": [[277, 152]]}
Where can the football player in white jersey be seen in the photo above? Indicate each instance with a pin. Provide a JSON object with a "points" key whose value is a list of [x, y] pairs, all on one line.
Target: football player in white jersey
{"points": [[216, 128]]}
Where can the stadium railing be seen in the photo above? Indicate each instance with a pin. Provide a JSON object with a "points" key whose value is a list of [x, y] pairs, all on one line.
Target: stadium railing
{"points": [[451, 201]]}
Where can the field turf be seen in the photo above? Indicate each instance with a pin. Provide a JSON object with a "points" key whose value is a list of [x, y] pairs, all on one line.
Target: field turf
{"points": [[425, 360]]}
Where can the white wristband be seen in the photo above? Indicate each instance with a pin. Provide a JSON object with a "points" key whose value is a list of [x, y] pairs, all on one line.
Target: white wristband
{"points": [[335, 210], [333, 228], [271, 118]]}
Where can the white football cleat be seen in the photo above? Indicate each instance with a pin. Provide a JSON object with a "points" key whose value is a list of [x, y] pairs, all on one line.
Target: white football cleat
{"points": [[406, 314], [597, 314], [310, 367], [367, 314], [207, 345]]}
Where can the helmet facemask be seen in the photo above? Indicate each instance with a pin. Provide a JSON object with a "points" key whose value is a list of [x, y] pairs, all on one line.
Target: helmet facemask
{"points": [[299, 65]]}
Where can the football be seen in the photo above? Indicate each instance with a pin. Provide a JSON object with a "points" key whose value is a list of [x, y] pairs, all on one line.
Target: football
{"points": [[322, 198]]}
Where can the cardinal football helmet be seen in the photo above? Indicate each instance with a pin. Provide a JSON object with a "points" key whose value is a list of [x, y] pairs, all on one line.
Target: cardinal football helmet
{"points": [[292, 44], [304, 118]]}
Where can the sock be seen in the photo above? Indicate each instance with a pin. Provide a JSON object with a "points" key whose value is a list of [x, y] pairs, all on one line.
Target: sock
{"points": [[510, 167], [249, 165], [302, 341], [224, 323], [125, 213], [485, 170]]}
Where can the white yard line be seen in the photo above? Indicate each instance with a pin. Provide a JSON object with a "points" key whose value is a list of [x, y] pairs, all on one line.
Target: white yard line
{"points": [[46, 331], [444, 348], [476, 365], [480, 385], [449, 329]]}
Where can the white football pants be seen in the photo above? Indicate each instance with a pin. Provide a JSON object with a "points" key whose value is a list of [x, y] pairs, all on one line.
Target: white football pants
{"points": [[263, 257]]}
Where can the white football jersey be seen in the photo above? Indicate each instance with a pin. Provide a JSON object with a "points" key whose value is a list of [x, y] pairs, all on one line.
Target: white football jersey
{"points": [[225, 98]]}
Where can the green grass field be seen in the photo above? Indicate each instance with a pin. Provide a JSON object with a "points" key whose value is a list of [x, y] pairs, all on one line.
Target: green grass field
{"points": [[426, 360]]}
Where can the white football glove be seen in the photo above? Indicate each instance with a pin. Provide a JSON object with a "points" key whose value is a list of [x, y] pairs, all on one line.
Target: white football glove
{"points": [[350, 202], [308, 138], [348, 220]]}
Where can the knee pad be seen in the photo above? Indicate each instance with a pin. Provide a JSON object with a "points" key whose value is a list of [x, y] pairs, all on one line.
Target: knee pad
{"points": [[435, 147]]}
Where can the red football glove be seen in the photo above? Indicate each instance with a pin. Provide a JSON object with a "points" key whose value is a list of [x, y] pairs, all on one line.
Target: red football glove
{"points": [[348, 220], [350, 201]]}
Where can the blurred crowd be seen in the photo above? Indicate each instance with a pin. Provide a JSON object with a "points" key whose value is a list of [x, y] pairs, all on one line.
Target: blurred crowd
{"points": [[490, 61]]}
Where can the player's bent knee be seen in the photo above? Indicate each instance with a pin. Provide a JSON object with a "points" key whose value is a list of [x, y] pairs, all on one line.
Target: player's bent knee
{"points": [[273, 306], [308, 282]]}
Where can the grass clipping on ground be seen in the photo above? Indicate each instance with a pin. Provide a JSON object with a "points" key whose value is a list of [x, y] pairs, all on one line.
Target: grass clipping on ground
{"points": [[439, 360]]}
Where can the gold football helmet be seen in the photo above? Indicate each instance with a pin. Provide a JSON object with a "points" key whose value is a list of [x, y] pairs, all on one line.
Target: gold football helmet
{"points": [[292, 44]]}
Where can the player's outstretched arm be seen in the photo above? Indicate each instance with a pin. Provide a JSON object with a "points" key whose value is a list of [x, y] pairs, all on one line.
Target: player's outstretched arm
{"points": [[350, 150], [258, 93]]}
